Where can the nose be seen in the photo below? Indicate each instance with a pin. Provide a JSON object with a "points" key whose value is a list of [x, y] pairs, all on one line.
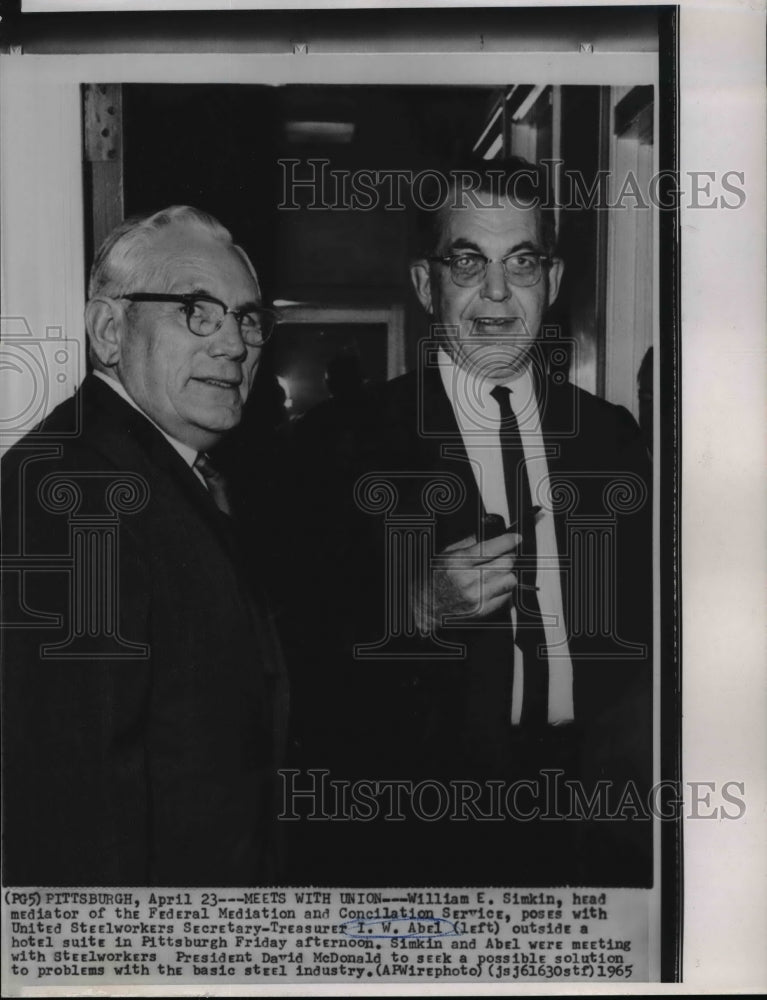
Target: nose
{"points": [[227, 341], [496, 287]]}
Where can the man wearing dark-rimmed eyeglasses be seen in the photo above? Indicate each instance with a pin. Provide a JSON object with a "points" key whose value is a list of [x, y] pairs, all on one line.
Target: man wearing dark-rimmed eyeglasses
{"points": [[142, 701], [490, 550]]}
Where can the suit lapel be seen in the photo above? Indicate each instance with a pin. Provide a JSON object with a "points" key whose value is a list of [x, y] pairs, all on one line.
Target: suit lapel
{"points": [[442, 450], [129, 440]]}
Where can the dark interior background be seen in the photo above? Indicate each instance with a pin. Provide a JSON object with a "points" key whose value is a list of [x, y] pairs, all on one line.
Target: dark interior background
{"points": [[219, 147]]}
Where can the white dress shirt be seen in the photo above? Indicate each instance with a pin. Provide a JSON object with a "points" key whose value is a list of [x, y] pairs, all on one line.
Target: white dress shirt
{"points": [[188, 453], [478, 418]]}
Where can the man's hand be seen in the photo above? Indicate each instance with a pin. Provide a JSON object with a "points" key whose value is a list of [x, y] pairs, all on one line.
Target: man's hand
{"points": [[469, 578]]}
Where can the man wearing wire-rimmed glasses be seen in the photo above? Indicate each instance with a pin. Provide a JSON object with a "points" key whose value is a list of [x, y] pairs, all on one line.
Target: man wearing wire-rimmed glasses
{"points": [[489, 569]]}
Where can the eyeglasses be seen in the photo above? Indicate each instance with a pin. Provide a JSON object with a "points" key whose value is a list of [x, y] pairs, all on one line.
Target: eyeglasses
{"points": [[470, 269], [205, 315]]}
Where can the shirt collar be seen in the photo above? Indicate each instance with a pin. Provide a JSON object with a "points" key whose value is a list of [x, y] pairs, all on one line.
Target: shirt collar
{"points": [[475, 408], [188, 453]]}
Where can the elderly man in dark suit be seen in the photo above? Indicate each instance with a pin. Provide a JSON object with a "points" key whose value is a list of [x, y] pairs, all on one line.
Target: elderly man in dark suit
{"points": [[143, 689], [482, 575]]}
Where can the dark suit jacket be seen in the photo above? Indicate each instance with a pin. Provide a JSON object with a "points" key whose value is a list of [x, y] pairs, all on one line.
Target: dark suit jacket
{"points": [[398, 714], [142, 682]]}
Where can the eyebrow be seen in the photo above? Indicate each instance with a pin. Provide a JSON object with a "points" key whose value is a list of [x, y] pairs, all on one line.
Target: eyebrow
{"points": [[463, 244], [250, 304]]}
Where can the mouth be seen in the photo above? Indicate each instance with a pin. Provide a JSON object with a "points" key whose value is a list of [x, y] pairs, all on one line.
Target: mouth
{"points": [[221, 383], [494, 324]]}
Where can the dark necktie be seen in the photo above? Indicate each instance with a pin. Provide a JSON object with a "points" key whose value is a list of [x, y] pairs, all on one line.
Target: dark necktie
{"points": [[215, 482], [530, 636]]}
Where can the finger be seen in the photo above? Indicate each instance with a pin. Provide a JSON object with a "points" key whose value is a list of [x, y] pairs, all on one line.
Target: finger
{"points": [[494, 585], [470, 552], [478, 592], [472, 611], [465, 578], [465, 566], [494, 547], [503, 563], [464, 543], [488, 605]]}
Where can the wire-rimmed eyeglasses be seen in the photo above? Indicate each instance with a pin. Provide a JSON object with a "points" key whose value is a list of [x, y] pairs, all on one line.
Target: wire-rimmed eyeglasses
{"points": [[470, 268]]}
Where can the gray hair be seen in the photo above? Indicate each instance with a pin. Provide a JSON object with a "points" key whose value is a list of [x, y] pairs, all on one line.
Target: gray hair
{"points": [[120, 265]]}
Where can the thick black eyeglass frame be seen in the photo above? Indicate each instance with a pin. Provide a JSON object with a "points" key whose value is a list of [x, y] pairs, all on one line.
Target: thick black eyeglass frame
{"points": [[188, 300]]}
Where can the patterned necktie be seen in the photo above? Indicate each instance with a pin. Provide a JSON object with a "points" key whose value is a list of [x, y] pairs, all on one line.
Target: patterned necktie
{"points": [[215, 482], [530, 636]]}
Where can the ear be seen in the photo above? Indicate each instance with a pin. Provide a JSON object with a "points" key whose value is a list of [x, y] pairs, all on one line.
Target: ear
{"points": [[555, 277], [420, 275], [105, 322]]}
